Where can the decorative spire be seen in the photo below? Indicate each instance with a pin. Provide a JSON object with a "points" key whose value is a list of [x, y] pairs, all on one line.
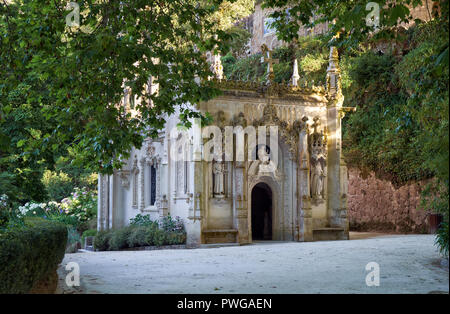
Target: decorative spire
{"points": [[334, 74], [295, 76], [216, 66]]}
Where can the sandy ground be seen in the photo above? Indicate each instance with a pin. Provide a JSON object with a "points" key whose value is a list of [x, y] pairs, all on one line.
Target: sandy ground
{"points": [[408, 264]]}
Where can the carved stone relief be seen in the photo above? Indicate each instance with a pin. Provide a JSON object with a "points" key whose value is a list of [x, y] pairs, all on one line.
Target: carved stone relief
{"points": [[318, 153]]}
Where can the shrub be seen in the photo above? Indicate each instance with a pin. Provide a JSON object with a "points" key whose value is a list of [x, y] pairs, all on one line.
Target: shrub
{"points": [[168, 232], [175, 238], [73, 238], [159, 237], [64, 219], [119, 238], [4, 218], [30, 254], [140, 236], [101, 241], [442, 238]]}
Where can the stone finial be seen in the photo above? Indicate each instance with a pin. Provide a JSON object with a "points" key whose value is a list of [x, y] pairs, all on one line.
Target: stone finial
{"points": [[216, 66], [333, 59], [334, 74], [295, 76]]}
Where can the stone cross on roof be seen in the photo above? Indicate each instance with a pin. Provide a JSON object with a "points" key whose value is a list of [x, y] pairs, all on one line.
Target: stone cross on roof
{"points": [[267, 57], [316, 124]]}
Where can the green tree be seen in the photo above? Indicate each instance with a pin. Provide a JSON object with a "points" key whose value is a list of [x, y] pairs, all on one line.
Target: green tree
{"points": [[60, 85], [83, 70]]}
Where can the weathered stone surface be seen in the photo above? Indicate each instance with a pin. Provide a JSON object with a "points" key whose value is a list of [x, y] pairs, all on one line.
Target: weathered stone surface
{"points": [[375, 204]]}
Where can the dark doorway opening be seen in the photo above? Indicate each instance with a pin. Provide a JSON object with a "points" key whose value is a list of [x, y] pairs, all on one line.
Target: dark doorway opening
{"points": [[261, 212]]}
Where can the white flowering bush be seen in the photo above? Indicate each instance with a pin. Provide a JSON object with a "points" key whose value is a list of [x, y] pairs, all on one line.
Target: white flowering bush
{"points": [[79, 207], [82, 204]]}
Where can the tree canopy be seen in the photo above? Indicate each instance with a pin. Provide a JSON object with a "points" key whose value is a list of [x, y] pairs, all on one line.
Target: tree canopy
{"points": [[61, 83]]}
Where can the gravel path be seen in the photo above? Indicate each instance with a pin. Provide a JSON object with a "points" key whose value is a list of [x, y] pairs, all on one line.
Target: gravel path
{"points": [[408, 264]]}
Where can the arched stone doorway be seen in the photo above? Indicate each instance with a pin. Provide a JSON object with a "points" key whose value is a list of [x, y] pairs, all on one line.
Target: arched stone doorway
{"points": [[262, 212]]}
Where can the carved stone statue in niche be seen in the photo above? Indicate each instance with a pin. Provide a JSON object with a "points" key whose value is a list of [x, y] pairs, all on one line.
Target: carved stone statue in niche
{"points": [[318, 161], [218, 177], [265, 163], [263, 155], [317, 175], [239, 120]]}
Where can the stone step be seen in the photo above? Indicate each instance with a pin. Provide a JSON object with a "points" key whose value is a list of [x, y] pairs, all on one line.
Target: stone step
{"points": [[217, 245], [328, 234], [215, 236]]}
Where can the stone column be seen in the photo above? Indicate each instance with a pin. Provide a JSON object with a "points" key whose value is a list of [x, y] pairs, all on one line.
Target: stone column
{"points": [[343, 180], [100, 205], [158, 185], [304, 229], [103, 202], [142, 184], [333, 167], [164, 181], [111, 201], [195, 216], [336, 183], [241, 203]]}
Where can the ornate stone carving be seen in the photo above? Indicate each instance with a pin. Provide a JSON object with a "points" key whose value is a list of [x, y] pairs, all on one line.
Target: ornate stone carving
{"points": [[220, 120], [317, 176], [265, 164], [318, 153], [150, 153], [216, 67], [289, 134], [142, 184], [163, 210], [333, 83], [135, 171], [218, 177], [239, 120], [190, 200], [158, 184], [303, 89], [124, 178], [197, 214]]}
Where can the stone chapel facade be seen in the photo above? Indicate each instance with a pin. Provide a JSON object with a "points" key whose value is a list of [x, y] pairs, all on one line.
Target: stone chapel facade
{"points": [[302, 198]]}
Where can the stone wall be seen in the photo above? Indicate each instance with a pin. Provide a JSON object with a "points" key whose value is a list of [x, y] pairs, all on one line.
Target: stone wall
{"points": [[376, 205], [270, 38]]}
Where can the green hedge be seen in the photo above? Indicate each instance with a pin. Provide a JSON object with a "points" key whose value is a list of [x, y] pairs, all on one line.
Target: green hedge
{"points": [[30, 254], [136, 236]]}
